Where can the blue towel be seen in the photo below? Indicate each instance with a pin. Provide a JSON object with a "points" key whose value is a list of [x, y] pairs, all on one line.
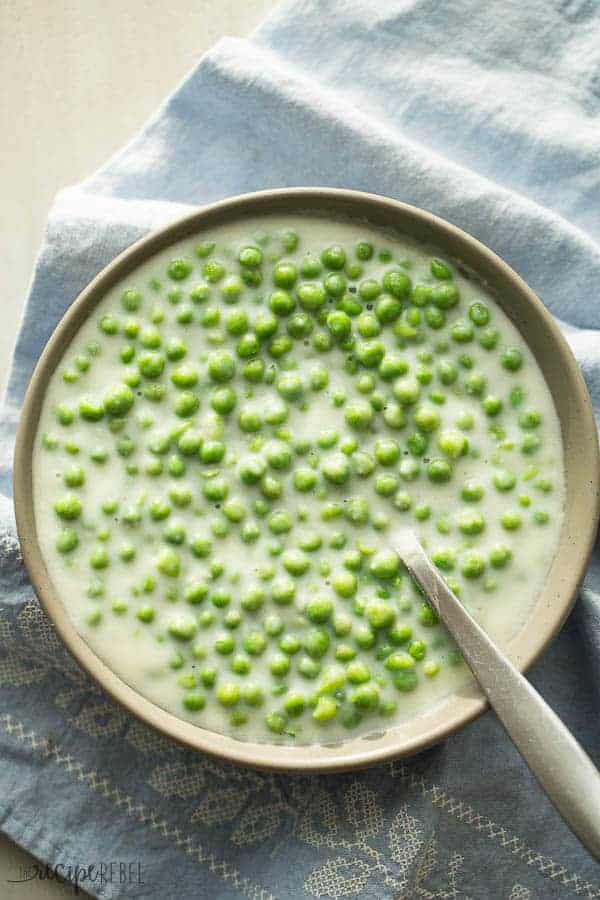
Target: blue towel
{"points": [[487, 114]]}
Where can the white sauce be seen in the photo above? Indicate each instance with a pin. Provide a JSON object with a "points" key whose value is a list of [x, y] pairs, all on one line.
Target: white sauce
{"points": [[140, 653]]}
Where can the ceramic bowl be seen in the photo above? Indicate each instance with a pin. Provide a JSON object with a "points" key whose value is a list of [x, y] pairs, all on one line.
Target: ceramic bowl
{"points": [[581, 465]]}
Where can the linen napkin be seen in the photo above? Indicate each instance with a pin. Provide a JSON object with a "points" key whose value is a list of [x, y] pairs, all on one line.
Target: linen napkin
{"points": [[486, 114]]}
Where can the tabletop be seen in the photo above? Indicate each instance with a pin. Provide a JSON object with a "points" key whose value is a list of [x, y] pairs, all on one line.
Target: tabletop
{"points": [[79, 78]]}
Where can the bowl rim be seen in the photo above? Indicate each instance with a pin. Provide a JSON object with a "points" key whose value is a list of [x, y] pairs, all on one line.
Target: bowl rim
{"points": [[460, 708]]}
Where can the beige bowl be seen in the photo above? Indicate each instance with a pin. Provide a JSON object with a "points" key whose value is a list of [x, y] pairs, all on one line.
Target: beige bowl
{"points": [[581, 465]]}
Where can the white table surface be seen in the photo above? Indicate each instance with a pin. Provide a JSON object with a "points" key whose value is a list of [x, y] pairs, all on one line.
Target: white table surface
{"points": [[79, 77]]}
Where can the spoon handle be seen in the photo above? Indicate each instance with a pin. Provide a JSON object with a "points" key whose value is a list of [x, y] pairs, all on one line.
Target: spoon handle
{"points": [[559, 763]]}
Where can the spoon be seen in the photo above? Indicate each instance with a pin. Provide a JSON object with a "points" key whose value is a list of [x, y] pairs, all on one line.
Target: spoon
{"points": [[559, 763]]}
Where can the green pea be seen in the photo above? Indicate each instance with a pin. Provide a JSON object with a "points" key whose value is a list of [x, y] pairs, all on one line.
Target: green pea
{"points": [[216, 489], [369, 290], [516, 396], [529, 419], [445, 296], [426, 419], [65, 415], [385, 565], [179, 269], [310, 266], [127, 353], [470, 522], [364, 251], [252, 695], [462, 332], [336, 468], [530, 444], [279, 522], [511, 521], [275, 722], [185, 376], [334, 257], [316, 643], [399, 661], [185, 315], [271, 487], [452, 443], [444, 560], [386, 485], [194, 701], [512, 359], [327, 438], [370, 353], [479, 314], [339, 324], [186, 404], [365, 697], [249, 420], [439, 471], [350, 305], [304, 479], [319, 610], [475, 384], [435, 318], [489, 338], [182, 627], [312, 295], [250, 257], [472, 565], [318, 378], [196, 592], [91, 410], [74, 477], [393, 416], [500, 556], [67, 540], [68, 507], [447, 372], [223, 400], [397, 283], [417, 443], [300, 325], [294, 704], [280, 345], [335, 285], [224, 644], [290, 386], [221, 366], [228, 694], [406, 391], [405, 681], [504, 480], [359, 414], [151, 365], [440, 270], [169, 563], [472, 492], [368, 325], [109, 325], [146, 614], [295, 563], [387, 309], [492, 405]]}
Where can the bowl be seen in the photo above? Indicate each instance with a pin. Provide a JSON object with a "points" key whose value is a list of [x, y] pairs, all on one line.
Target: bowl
{"points": [[581, 469]]}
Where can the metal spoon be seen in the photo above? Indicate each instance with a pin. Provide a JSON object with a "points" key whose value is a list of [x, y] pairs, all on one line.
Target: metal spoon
{"points": [[561, 766]]}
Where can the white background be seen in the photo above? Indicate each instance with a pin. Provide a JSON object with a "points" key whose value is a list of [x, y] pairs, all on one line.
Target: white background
{"points": [[79, 77]]}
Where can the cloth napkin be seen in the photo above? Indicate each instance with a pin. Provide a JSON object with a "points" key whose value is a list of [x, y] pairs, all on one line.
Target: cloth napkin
{"points": [[487, 114]]}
